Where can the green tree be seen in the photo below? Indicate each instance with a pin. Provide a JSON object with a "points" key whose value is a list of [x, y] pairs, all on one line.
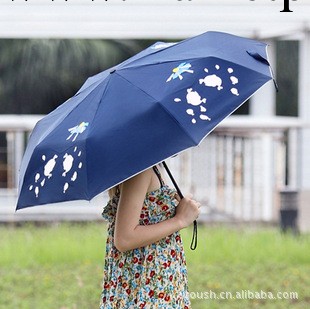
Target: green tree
{"points": [[36, 75]]}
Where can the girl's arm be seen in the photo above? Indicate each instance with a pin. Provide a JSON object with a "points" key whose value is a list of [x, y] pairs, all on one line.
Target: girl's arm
{"points": [[128, 234]]}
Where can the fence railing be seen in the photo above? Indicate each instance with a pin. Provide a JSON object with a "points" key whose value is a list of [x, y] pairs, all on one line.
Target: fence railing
{"points": [[240, 168], [236, 172]]}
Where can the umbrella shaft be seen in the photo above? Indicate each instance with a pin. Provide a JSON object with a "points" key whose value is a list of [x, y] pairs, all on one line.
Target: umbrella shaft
{"points": [[173, 180], [194, 238]]}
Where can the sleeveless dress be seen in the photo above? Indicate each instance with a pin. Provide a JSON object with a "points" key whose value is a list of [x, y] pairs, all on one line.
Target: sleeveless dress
{"points": [[154, 276]]}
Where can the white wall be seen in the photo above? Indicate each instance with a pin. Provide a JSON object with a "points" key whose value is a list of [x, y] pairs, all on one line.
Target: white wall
{"points": [[149, 19]]}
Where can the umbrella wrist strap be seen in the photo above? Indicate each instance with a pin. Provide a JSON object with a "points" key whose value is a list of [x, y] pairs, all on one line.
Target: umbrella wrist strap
{"points": [[195, 230], [194, 237]]}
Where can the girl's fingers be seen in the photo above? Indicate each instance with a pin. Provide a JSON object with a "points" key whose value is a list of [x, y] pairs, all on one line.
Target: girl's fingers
{"points": [[189, 196], [177, 197]]}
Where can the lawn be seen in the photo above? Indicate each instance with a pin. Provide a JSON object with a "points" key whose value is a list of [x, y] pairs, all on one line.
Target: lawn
{"points": [[60, 267]]}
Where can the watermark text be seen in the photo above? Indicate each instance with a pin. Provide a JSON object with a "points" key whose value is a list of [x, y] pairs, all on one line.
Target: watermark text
{"points": [[244, 294]]}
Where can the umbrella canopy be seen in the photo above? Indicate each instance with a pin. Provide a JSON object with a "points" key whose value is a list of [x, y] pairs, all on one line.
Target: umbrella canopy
{"points": [[150, 107]]}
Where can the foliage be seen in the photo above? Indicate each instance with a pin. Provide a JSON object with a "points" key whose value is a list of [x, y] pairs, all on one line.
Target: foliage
{"points": [[39, 74]]}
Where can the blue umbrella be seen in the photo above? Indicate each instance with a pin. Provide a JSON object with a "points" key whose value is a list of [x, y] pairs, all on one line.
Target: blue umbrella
{"points": [[128, 118]]}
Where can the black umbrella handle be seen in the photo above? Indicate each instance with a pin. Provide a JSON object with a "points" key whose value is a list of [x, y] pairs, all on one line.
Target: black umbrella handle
{"points": [[195, 231]]}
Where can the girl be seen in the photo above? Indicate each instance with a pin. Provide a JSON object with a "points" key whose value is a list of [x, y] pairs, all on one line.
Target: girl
{"points": [[145, 264]]}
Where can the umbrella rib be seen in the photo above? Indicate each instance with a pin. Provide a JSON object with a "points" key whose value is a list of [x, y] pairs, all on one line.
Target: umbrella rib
{"points": [[162, 106], [227, 116], [89, 196], [190, 59], [176, 120], [71, 111]]}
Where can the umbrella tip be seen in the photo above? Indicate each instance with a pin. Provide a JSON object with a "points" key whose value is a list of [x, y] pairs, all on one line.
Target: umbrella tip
{"points": [[111, 72], [276, 85]]}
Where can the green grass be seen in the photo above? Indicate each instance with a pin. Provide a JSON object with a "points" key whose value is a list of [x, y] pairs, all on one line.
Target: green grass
{"points": [[245, 259], [52, 244], [60, 266]]}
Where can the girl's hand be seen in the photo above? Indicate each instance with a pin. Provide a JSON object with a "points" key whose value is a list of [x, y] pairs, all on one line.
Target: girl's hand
{"points": [[187, 210]]}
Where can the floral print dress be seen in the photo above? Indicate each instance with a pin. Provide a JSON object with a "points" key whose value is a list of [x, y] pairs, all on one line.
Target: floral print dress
{"points": [[154, 276]]}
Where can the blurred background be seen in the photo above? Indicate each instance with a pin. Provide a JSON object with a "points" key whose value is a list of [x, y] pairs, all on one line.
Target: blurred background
{"points": [[253, 170], [251, 166]]}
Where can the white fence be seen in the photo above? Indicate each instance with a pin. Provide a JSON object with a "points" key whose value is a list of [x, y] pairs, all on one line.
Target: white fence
{"points": [[239, 169], [236, 172]]}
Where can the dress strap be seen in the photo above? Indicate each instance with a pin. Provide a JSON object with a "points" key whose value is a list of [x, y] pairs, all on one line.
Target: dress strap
{"points": [[157, 172]]}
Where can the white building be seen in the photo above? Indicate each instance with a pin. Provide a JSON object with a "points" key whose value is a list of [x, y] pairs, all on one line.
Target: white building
{"points": [[254, 145]]}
